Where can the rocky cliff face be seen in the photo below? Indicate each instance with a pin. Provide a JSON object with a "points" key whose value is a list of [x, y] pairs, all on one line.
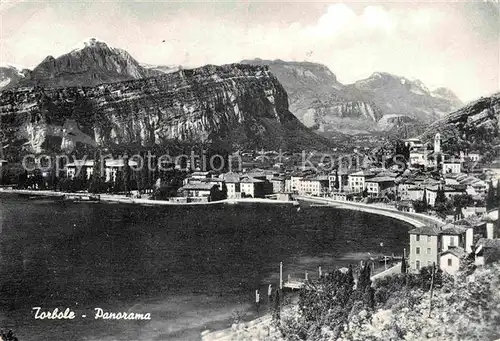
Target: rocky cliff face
{"points": [[318, 99], [93, 63], [10, 75], [236, 105], [321, 102], [475, 126]]}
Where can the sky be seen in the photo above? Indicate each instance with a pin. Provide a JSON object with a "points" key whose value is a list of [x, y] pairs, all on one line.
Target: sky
{"points": [[450, 44]]}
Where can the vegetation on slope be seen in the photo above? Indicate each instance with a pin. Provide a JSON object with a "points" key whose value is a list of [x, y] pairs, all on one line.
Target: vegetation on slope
{"points": [[465, 307]]}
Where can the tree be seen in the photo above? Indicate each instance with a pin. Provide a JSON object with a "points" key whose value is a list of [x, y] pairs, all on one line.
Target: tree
{"points": [[491, 198], [403, 265], [365, 192], [424, 200], [441, 202], [223, 194], [498, 192], [462, 200], [336, 184], [126, 174]]}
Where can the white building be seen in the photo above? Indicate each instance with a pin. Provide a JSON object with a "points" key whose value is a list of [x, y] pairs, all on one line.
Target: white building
{"points": [[424, 247], [316, 186], [419, 157], [379, 185], [413, 143], [449, 260], [451, 167], [357, 180], [112, 166], [437, 143], [80, 167]]}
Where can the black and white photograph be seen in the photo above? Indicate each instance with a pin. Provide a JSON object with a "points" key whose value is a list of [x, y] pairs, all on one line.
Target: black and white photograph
{"points": [[249, 170]]}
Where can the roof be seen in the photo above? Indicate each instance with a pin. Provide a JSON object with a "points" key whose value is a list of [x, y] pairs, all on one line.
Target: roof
{"points": [[197, 186], [316, 178], [249, 179], [381, 179], [470, 221], [452, 229], [387, 173], [489, 243], [209, 180], [231, 177], [435, 188], [200, 173], [490, 248], [456, 251], [119, 163], [362, 173], [80, 163], [425, 230]]}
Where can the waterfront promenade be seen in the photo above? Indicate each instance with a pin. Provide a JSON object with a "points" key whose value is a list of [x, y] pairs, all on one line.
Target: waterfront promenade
{"points": [[416, 219], [116, 198]]}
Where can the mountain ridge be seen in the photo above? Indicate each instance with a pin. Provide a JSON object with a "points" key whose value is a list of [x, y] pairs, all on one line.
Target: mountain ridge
{"points": [[236, 106], [358, 107], [94, 63]]}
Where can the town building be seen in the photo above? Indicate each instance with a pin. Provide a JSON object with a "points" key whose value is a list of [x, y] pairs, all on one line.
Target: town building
{"points": [[473, 211], [83, 168], [113, 166], [452, 236], [487, 251], [278, 184], [343, 180], [449, 192], [424, 247], [379, 186], [198, 191], [453, 167], [233, 185], [473, 156], [449, 260], [419, 156], [252, 187], [294, 183], [413, 143], [314, 185], [357, 180]]}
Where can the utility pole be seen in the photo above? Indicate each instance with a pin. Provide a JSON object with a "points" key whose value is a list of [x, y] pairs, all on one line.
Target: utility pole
{"points": [[432, 288]]}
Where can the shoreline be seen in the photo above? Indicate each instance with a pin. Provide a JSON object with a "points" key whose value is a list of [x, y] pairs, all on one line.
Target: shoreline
{"points": [[415, 219], [116, 198]]}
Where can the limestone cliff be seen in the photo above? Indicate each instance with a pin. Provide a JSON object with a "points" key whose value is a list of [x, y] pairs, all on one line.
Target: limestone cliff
{"points": [[476, 126], [237, 106]]}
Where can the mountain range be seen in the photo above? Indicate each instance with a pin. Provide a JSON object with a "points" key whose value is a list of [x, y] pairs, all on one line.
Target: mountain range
{"points": [[381, 102], [247, 105]]}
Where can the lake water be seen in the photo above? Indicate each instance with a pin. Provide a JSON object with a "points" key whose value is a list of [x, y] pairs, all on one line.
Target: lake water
{"points": [[191, 267]]}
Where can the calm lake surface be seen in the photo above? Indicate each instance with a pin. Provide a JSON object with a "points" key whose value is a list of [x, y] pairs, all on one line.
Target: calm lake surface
{"points": [[191, 267]]}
